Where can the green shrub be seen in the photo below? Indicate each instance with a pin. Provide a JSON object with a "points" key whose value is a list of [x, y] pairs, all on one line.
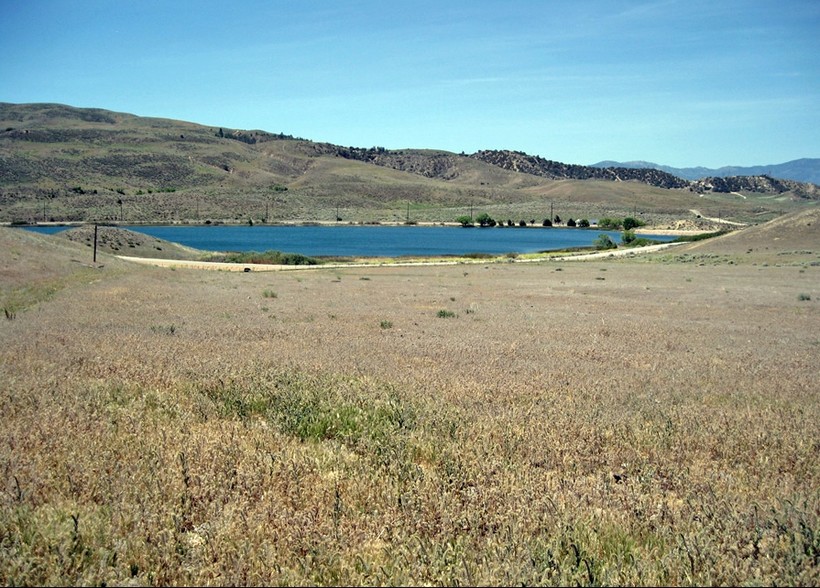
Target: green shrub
{"points": [[445, 314], [268, 257], [164, 329], [604, 242], [641, 242]]}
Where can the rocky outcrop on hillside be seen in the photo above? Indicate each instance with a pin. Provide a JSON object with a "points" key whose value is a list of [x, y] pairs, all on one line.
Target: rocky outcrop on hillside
{"points": [[444, 166], [532, 164], [737, 183], [762, 184], [437, 165], [521, 162]]}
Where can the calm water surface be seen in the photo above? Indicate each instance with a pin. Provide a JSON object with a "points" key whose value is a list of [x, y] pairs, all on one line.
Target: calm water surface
{"points": [[373, 241]]}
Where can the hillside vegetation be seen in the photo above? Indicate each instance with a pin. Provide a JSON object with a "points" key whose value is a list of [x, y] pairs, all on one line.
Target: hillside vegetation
{"points": [[60, 163]]}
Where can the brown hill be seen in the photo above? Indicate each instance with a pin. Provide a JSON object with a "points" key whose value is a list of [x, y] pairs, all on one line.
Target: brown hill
{"points": [[791, 239], [63, 163], [35, 267], [118, 241]]}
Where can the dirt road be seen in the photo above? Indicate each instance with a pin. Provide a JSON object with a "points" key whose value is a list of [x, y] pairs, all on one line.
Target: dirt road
{"points": [[261, 267], [715, 219]]}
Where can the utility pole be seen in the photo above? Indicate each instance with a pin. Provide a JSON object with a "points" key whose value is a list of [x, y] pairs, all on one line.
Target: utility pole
{"points": [[95, 242]]}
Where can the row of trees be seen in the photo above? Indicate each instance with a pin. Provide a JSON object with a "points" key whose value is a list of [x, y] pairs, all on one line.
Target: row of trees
{"points": [[485, 220], [614, 224], [603, 241]]}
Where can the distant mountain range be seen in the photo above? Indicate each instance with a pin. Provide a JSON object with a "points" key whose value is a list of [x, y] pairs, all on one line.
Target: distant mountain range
{"points": [[800, 170]]}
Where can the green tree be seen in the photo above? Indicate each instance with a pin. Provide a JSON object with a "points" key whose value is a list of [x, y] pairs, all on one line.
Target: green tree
{"points": [[631, 223], [583, 223], [485, 220], [465, 220], [627, 237], [609, 223]]}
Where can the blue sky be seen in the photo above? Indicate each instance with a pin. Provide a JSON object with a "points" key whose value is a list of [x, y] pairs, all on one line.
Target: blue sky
{"points": [[681, 83]]}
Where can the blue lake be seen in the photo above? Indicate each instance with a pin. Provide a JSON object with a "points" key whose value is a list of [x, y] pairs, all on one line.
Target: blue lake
{"points": [[373, 240]]}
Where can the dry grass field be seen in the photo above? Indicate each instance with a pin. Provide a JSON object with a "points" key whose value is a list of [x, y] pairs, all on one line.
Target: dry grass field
{"points": [[646, 421]]}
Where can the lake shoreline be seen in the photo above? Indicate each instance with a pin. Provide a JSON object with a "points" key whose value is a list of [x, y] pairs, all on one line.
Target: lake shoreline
{"points": [[645, 230]]}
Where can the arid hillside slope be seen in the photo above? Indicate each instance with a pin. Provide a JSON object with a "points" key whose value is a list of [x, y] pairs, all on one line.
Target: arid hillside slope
{"points": [[63, 163]]}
